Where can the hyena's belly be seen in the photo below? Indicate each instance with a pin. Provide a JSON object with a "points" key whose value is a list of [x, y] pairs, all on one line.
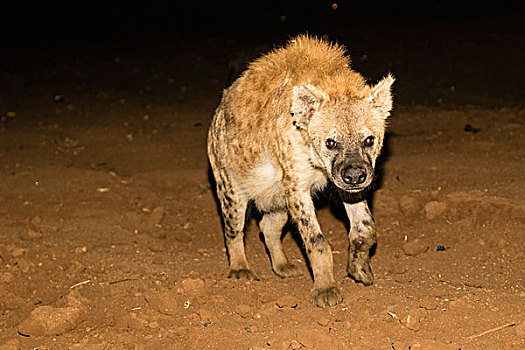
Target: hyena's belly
{"points": [[264, 186]]}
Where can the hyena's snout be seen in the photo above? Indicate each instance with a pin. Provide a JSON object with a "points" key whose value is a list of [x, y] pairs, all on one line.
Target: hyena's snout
{"points": [[354, 175]]}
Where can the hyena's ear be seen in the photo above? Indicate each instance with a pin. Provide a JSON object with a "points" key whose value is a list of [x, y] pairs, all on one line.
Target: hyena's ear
{"points": [[381, 96], [306, 100]]}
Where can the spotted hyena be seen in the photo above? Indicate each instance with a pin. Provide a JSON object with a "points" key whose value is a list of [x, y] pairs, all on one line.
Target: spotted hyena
{"points": [[296, 119]]}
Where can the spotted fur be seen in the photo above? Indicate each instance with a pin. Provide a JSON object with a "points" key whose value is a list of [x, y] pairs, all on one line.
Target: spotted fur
{"points": [[267, 143]]}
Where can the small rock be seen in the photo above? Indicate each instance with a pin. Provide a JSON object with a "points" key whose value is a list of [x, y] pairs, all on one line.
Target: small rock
{"points": [[80, 250], [428, 303], [153, 325], [166, 302], [18, 252], [156, 246], [412, 320], [408, 205], [287, 301], [294, 344], [25, 265], [192, 285], [6, 257], [415, 247], [432, 345], [244, 311], [433, 209], [268, 309], [206, 316], [460, 304], [32, 234], [154, 217], [49, 321], [398, 268], [323, 321], [6, 277], [36, 220], [75, 267]]}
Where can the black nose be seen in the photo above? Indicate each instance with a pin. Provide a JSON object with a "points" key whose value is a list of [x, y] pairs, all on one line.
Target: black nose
{"points": [[353, 175]]}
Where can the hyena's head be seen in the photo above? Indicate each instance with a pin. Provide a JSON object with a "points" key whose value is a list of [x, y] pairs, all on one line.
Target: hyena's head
{"points": [[345, 134]]}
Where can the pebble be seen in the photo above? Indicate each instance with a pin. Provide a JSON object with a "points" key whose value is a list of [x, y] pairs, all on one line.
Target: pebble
{"points": [[154, 217], [244, 311], [167, 302], [433, 209], [18, 252], [412, 320], [294, 344], [268, 309], [34, 234], [323, 321], [460, 304], [415, 247], [80, 250], [50, 321], [156, 246], [153, 324], [287, 301], [206, 316], [428, 303], [408, 205], [6, 277], [398, 268], [192, 285]]}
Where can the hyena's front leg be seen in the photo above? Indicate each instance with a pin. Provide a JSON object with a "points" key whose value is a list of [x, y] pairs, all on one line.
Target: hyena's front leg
{"points": [[362, 237], [272, 227], [324, 292]]}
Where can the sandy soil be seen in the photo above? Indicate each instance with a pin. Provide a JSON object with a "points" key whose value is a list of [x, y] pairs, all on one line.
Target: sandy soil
{"points": [[110, 236]]}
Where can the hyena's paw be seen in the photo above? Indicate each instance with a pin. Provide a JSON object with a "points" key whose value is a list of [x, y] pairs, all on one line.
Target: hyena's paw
{"points": [[287, 270], [326, 297], [243, 274], [359, 268]]}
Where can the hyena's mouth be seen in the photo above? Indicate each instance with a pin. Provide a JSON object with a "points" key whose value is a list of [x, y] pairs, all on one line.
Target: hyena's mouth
{"points": [[353, 188]]}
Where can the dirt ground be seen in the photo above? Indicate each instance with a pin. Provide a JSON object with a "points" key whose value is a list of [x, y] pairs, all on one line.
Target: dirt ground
{"points": [[110, 236]]}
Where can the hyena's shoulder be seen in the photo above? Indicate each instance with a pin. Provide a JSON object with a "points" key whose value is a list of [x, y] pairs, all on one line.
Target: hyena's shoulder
{"points": [[264, 89]]}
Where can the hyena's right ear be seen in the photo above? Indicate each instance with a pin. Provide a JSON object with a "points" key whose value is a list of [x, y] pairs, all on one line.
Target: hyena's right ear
{"points": [[306, 100]]}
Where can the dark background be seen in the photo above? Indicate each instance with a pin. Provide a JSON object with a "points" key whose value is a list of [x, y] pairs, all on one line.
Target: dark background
{"points": [[442, 52], [70, 22]]}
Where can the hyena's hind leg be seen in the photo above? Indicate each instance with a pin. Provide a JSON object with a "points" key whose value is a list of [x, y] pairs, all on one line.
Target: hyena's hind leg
{"points": [[233, 205], [362, 237], [271, 226]]}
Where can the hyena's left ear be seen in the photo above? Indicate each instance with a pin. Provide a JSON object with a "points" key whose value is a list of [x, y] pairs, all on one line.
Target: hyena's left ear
{"points": [[306, 100], [381, 96]]}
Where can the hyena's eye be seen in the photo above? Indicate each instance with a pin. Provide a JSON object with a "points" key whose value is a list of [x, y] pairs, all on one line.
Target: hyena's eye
{"points": [[331, 144], [369, 141]]}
